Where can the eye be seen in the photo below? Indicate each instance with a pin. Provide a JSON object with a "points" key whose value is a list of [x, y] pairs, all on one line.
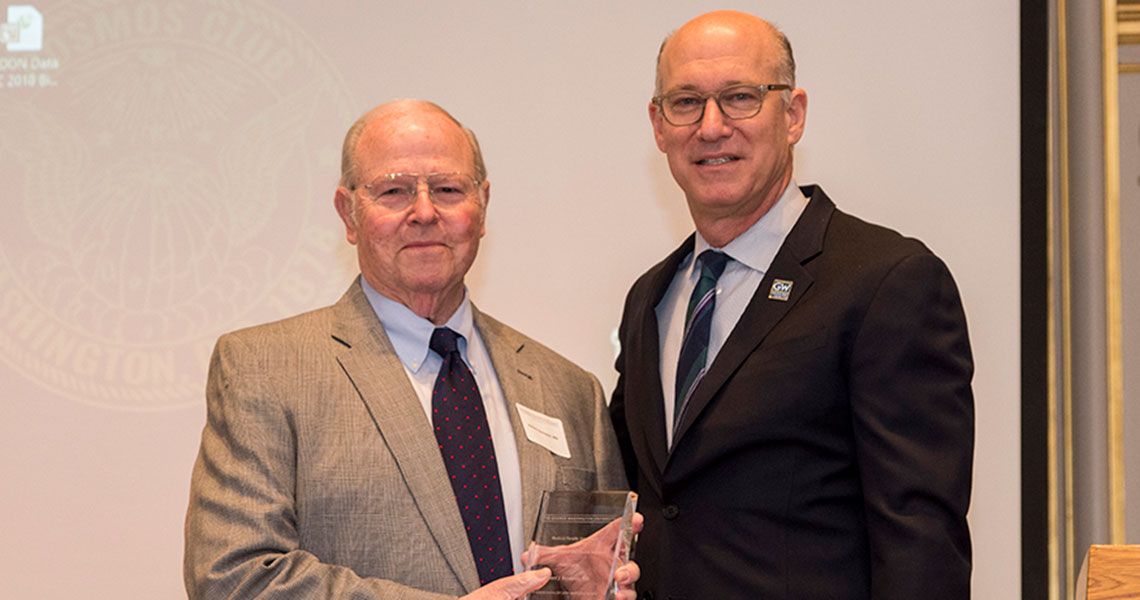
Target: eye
{"points": [[684, 102], [741, 97], [451, 190], [447, 189], [392, 192]]}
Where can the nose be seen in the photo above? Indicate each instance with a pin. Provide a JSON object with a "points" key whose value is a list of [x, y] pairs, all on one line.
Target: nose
{"points": [[713, 124], [423, 209]]}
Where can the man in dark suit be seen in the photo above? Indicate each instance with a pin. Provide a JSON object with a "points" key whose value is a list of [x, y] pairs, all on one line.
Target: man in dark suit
{"points": [[348, 452], [794, 402]]}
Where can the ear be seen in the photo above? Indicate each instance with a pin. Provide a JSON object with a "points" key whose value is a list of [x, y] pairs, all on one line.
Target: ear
{"points": [[658, 123], [796, 114], [344, 207]]}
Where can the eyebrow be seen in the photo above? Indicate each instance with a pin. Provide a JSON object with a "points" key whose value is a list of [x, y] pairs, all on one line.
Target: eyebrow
{"points": [[691, 87]]}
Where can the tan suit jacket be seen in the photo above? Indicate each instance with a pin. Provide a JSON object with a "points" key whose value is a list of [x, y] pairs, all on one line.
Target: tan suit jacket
{"points": [[319, 475]]}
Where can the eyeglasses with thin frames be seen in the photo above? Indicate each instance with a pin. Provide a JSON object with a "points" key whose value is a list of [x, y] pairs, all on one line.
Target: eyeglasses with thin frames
{"points": [[685, 107], [398, 191]]}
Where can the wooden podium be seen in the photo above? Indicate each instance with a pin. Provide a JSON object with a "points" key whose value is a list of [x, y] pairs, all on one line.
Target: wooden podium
{"points": [[1110, 573]]}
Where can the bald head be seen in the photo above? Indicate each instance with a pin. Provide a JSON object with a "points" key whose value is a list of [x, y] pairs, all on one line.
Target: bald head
{"points": [[394, 110], [717, 26]]}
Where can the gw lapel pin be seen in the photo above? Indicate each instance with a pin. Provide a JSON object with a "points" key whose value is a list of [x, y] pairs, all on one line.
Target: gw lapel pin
{"points": [[781, 290]]}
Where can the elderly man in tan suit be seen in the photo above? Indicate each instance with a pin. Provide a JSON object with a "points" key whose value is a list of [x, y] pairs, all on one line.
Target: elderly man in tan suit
{"points": [[397, 443]]}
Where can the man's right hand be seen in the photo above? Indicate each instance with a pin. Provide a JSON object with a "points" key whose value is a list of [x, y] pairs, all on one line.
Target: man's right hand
{"points": [[511, 588]]}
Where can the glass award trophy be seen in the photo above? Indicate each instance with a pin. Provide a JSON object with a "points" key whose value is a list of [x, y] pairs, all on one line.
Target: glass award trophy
{"points": [[582, 537]]}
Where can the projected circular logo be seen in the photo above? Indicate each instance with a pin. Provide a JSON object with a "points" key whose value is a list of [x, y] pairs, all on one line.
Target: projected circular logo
{"points": [[167, 177]]}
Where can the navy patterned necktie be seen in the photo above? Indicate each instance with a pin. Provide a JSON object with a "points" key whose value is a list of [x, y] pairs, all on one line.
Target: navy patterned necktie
{"points": [[698, 321], [464, 438]]}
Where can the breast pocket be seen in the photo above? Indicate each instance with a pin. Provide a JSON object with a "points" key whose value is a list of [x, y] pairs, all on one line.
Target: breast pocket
{"points": [[576, 479], [796, 345]]}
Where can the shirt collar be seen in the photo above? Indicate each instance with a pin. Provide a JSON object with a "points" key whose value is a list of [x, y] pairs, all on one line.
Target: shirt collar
{"points": [[410, 333], [758, 245]]}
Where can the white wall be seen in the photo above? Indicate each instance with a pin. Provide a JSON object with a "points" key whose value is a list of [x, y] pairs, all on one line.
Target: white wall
{"points": [[170, 175]]}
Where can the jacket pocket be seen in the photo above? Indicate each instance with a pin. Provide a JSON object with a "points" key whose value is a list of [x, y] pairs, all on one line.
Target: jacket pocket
{"points": [[576, 478]]}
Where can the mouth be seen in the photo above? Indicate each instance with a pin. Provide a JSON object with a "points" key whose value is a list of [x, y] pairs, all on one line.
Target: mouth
{"points": [[717, 160], [420, 245]]}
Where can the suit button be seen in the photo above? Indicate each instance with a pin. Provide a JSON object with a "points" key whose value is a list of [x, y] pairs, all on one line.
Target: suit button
{"points": [[646, 595], [670, 511]]}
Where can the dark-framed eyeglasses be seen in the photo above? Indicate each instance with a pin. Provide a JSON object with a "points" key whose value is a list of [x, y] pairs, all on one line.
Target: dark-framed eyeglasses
{"points": [[398, 191], [685, 107]]}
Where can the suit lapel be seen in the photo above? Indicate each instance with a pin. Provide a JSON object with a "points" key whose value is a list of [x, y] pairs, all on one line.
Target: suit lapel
{"points": [[647, 403], [803, 243], [370, 362], [517, 375]]}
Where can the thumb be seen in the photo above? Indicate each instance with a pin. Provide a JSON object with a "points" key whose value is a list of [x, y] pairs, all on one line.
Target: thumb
{"points": [[519, 585]]}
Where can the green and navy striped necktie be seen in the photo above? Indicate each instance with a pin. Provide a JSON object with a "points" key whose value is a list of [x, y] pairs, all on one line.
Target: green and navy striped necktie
{"points": [[698, 321]]}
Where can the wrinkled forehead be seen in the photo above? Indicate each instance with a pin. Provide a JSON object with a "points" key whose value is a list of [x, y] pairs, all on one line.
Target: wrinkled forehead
{"points": [[416, 140]]}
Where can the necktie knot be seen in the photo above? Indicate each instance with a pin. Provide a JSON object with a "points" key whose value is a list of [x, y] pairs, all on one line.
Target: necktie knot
{"points": [[713, 263], [444, 341]]}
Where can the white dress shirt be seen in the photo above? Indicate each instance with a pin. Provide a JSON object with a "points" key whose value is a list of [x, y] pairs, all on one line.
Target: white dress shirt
{"points": [[752, 253], [410, 334]]}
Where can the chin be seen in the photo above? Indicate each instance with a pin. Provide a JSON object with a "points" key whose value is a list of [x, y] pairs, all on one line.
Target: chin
{"points": [[429, 284], [718, 200]]}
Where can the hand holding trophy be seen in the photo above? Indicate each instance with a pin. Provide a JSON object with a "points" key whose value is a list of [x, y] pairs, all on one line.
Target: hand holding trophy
{"points": [[584, 538]]}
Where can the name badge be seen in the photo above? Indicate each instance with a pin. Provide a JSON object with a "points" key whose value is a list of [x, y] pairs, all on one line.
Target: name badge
{"points": [[544, 430]]}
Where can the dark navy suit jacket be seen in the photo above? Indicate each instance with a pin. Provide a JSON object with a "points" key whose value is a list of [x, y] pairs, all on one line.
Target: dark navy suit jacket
{"points": [[828, 451]]}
